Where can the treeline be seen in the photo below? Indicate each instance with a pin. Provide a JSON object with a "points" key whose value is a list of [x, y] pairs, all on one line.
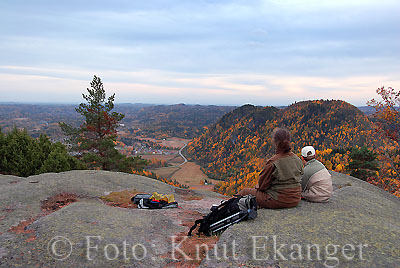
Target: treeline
{"points": [[180, 120], [22, 155], [91, 144], [234, 149], [157, 121]]}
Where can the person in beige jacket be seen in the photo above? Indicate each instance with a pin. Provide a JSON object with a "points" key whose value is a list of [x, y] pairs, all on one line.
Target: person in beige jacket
{"points": [[316, 182]]}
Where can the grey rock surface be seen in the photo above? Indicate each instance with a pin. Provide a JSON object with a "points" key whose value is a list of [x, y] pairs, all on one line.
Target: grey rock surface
{"points": [[89, 233], [359, 227]]}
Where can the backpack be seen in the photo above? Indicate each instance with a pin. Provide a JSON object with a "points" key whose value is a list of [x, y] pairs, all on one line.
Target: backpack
{"points": [[226, 214], [148, 201], [136, 199], [156, 204]]}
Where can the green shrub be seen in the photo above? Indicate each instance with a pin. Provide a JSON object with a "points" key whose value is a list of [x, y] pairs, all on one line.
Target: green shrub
{"points": [[22, 155]]}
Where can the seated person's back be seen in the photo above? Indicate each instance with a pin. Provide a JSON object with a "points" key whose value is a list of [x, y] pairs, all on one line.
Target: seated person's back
{"points": [[279, 182], [316, 182]]}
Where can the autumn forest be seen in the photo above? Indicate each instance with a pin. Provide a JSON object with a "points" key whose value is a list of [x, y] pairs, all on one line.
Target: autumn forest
{"points": [[235, 149], [232, 144]]}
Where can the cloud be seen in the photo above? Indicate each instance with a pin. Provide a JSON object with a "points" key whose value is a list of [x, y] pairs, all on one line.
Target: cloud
{"points": [[264, 52], [157, 86]]}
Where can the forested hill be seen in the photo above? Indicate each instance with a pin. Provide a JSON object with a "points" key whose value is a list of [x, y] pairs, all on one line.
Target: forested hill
{"points": [[178, 120], [235, 148]]}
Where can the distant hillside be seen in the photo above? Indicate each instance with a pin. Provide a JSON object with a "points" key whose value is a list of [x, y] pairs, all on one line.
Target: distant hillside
{"points": [[180, 120], [235, 148], [37, 118], [140, 119], [368, 110]]}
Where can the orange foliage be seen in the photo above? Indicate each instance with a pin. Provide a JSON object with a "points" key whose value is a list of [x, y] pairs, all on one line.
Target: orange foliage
{"points": [[235, 148]]}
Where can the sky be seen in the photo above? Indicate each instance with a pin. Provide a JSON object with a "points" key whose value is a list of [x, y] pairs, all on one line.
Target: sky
{"points": [[199, 52]]}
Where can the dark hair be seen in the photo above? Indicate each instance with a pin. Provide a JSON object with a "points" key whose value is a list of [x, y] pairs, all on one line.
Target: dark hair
{"points": [[308, 158], [281, 140]]}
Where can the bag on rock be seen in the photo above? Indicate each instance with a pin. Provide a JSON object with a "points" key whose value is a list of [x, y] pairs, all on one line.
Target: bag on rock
{"points": [[226, 214], [154, 201]]}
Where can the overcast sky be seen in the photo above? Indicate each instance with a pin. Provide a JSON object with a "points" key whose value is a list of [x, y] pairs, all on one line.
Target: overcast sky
{"points": [[199, 52]]}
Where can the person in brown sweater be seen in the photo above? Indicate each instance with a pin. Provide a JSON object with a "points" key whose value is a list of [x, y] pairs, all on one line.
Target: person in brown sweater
{"points": [[279, 182]]}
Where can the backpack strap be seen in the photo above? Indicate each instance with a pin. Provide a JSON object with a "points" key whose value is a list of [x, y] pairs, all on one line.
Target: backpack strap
{"points": [[194, 226]]}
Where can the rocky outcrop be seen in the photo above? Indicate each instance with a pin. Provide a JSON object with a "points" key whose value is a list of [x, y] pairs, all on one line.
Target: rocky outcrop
{"points": [[89, 233], [359, 227]]}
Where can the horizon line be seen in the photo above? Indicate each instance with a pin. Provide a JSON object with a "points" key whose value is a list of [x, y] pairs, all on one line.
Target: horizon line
{"points": [[161, 104]]}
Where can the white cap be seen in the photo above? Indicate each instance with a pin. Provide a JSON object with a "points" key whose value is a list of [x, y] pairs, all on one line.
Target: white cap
{"points": [[308, 151]]}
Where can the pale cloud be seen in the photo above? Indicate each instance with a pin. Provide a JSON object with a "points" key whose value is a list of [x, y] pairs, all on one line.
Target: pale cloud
{"points": [[37, 88], [218, 52], [168, 87]]}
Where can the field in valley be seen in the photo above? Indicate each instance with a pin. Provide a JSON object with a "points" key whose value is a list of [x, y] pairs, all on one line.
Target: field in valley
{"points": [[171, 142], [189, 173]]}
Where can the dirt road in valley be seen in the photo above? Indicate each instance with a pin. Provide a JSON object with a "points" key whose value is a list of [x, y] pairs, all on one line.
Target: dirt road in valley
{"points": [[186, 172], [180, 153]]}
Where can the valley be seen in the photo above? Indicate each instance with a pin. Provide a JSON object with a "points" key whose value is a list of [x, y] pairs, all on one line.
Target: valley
{"points": [[225, 147], [178, 168]]}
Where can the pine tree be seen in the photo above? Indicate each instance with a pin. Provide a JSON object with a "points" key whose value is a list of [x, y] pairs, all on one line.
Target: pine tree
{"points": [[95, 139], [363, 163]]}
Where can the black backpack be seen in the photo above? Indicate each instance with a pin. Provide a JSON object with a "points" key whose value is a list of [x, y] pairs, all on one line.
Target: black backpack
{"points": [[226, 214], [144, 201]]}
